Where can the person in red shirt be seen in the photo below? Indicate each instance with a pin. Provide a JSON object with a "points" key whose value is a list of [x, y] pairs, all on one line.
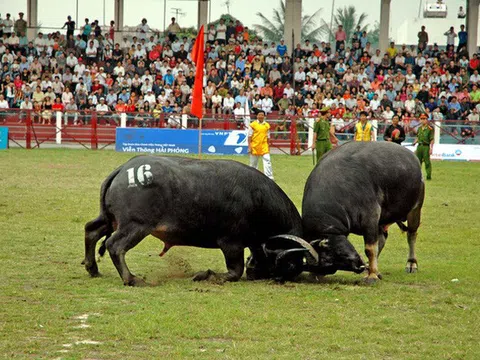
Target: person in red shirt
{"points": [[111, 33], [238, 28], [130, 107], [474, 63], [96, 86], [314, 112], [278, 91], [57, 106]]}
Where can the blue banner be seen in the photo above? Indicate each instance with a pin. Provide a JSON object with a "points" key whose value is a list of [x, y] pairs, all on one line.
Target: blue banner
{"points": [[3, 138], [181, 142]]}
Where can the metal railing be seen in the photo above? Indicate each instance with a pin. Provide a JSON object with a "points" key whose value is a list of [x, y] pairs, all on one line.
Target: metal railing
{"points": [[290, 134]]}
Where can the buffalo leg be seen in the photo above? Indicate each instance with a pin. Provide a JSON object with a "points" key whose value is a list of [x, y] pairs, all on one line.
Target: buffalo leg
{"points": [[94, 231], [371, 250], [118, 244], [234, 259], [413, 221]]}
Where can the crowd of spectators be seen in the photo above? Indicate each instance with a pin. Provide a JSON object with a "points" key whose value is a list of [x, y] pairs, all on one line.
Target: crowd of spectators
{"points": [[152, 74]]}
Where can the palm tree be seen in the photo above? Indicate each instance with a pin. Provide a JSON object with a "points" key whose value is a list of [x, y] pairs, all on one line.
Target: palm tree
{"points": [[273, 30], [347, 17]]}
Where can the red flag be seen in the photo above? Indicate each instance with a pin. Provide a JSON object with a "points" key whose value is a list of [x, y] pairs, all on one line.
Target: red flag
{"points": [[198, 59]]}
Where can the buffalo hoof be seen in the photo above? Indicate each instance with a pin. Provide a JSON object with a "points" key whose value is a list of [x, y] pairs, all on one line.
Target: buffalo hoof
{"points": [[92, 270], [371, 279], [204, 275], [411, 267], [135, 281]]}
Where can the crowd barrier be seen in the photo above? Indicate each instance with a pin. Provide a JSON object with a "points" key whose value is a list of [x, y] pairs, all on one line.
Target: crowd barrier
{"points": [[290, 135]]}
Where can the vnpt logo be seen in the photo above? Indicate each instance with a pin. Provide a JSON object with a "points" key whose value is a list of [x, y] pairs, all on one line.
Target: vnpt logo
{"points": [[236, 138]]}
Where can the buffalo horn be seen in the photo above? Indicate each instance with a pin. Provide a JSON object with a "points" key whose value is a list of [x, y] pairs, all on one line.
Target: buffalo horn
{"points": [[312, 256]]}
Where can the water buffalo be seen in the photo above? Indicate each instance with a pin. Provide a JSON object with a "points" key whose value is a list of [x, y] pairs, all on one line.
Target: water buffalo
{"points": [[362, 188], [210, 204]]}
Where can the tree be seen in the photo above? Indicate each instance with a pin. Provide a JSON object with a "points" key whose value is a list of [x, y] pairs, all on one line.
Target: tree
{"points": [[273, 30], [347, 17]]}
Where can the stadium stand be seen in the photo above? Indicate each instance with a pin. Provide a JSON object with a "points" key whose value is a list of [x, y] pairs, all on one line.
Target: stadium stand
{"points": [[151, 76]]}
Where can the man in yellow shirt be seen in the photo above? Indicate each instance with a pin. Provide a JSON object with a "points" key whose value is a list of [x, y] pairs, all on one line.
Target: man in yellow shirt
{"points": [[363, 129], [258, 144]]}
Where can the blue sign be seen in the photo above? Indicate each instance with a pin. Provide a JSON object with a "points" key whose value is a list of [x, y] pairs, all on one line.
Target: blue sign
{"points": [[3, 138], [181, 142]]}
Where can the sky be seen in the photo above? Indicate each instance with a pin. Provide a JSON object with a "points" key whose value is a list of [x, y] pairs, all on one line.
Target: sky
{"points": [[53, 13]]}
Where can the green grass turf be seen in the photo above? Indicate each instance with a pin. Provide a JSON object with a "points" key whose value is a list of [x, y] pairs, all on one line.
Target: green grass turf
{"points": [[48, 195]]}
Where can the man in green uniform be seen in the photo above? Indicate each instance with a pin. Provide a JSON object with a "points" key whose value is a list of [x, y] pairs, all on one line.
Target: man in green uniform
{"points": [[425, 144], [322, 131]]}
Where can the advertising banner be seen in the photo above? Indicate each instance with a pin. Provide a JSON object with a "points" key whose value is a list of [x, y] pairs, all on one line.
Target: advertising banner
{"points": [[3, 138], [453, 152], [181, 142]]}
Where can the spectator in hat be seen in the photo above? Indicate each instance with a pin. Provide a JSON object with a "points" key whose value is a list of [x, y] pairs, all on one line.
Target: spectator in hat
{"points": [[20, 26]]}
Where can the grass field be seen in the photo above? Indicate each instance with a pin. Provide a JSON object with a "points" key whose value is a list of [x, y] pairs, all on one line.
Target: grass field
{"points": [[51, 309]]}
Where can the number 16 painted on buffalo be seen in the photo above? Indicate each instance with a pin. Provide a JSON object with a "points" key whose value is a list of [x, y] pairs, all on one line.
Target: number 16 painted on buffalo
{"points": [[144, 176]]}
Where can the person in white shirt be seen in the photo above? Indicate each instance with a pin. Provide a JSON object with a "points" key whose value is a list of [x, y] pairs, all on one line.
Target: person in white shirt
{"points": [[387, 115], [221, 32], [150, 97], [139, 52], [143, 29], [475, 77], [259, 81], [102, 107], [3, 103], [239, 113], [7, 25], [328, 101], [216, 103], [71, 61], [91, 52], [228, 104], [39, 43], [410, 104], [7, 57], [374, 103], [451, 35], [126, 44], [267, 104], [410, 77], [289, 91], [13, 40], [211, 32], [67, 96], [377, 58], [299, 75]]}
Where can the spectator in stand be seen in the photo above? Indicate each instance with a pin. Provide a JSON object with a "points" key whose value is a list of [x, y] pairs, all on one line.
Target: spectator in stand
{"points": [[172, 30], [20, 26], [462, 38], [451, 35], [142, 29], [422, 39], [86, 30], [70, 25], [282, 48], [340, 37]]}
